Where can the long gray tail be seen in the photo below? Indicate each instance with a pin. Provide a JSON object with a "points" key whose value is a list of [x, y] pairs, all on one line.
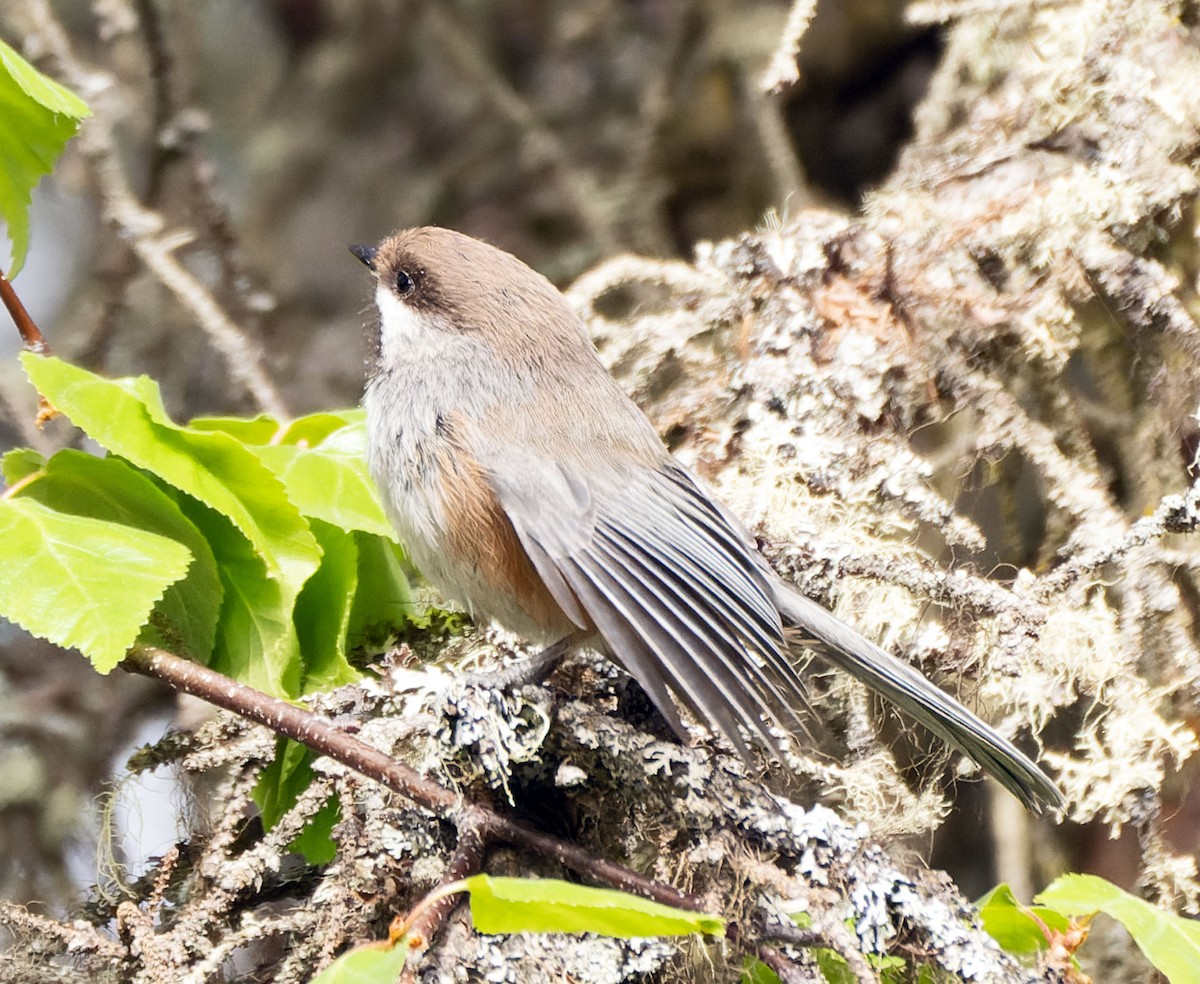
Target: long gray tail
{"points": [[909, 690]]}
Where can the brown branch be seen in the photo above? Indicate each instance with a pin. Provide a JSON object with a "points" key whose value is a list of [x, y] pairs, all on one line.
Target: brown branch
{"points": [[467, 859], [322, 736], [785, 970], [293, 722], [31, 335], [835, 938]]}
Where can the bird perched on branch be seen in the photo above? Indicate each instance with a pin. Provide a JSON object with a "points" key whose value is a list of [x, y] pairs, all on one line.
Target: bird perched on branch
{"points": [[527, 485]]}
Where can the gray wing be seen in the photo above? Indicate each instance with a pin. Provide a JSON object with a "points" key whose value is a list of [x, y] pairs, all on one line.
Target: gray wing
{"points": [[676, 591]]}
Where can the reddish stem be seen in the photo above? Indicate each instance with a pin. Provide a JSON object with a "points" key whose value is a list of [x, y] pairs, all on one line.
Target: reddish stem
{"points": [[31, 335]]}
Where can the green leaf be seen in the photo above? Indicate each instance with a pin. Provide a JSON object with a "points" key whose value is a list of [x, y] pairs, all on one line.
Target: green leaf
{"points": [[330, 481], [372, 963], [514, 905], [1018, 928], [316, 428], [280, 785], [263, 429], [43, 90], [315, 842], [757, 972], [82, 582], [126, 416], [1170, 942], [248, 430], [321, 460], [256, 642], [323, 611], [20, 463], [383, 603], [262, 582], [283, 780], [835, 969], [113, 490], [40, 116]]}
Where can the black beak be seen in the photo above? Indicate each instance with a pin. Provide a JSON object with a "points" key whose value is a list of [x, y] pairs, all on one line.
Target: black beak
{"points": [[366, 254]]}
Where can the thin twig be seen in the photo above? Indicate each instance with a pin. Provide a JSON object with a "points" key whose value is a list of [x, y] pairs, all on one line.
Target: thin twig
{"points": [[158, 66], [540, 142], [784, 70], [791, 186], [31, 336], [1175, 514], [473, 835], [785, 970], [831, 937], [120, 264], [642, 201], [144, 229]]}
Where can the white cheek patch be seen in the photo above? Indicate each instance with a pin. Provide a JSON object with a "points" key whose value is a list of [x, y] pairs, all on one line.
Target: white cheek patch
{"points": [[400, 325]]}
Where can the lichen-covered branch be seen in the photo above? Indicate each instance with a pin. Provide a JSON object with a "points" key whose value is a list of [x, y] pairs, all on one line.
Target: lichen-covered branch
{"points": [[964, 417]]}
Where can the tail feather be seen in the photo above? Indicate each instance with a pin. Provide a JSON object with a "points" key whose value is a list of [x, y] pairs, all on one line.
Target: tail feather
{"points": [[912, 693]]}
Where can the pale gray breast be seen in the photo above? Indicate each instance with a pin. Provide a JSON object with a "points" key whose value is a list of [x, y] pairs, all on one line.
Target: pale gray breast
{"points": [[411, 394], [402, 436], [412, 406]]}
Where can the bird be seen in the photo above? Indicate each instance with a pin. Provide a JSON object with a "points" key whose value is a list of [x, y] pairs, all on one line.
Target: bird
{"points": [[526, 485]]}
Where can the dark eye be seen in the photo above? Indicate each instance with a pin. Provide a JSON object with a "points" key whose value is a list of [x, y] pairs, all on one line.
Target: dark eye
{"points": [[405, 284]]}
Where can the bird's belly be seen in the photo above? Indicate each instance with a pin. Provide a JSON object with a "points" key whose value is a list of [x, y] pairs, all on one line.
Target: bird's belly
{"points": [[456, 534]]}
